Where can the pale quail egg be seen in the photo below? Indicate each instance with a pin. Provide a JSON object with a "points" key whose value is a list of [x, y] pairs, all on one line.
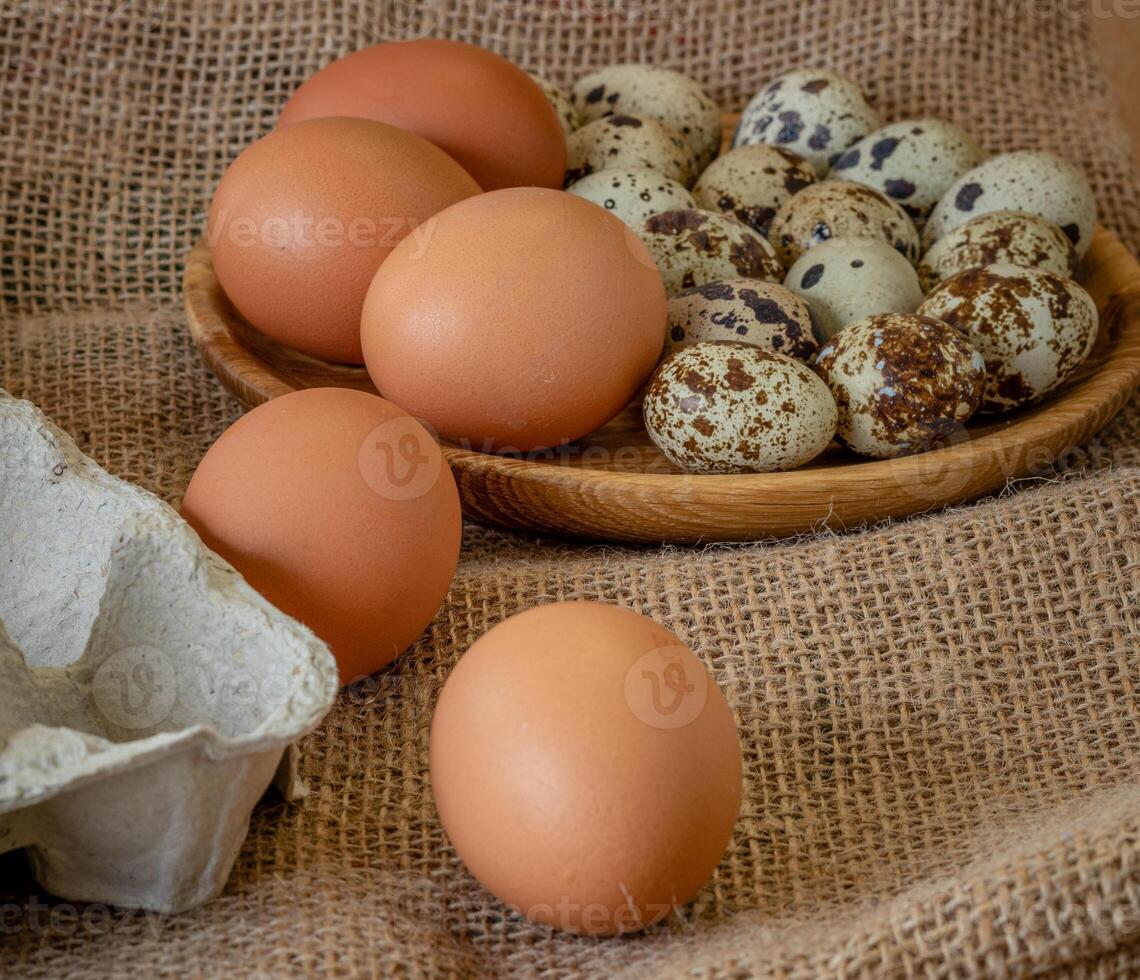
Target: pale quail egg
{"points": [[1033, 328], [633, 195], [847, 279], [1000, 236], [903, 383], [692, 247], [1028, 180], [912, 162], [812, 111], [840, 209], [763, 314], [655, 93], [628, 143], [563, 105], [750, 183], [725, 407]]}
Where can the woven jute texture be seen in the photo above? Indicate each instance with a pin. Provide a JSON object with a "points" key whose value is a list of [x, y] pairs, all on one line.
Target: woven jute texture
{"points": [[939, 717]]}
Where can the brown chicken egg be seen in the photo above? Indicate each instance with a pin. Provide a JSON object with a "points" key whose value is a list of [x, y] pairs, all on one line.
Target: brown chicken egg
{"points": [[338, 508], [303, 218], [488, 114], [520, 319], [586, 767]]}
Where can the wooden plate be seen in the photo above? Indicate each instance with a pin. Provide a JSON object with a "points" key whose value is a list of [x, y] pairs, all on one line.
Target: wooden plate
{"points": [[615, 485]]}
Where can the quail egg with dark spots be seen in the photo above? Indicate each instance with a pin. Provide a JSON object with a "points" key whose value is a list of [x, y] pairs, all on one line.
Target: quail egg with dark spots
{"points": [[692, 247], [811, 111], [847, 279], [633, 195], [654, 93], [1033, 328], [726, 407], [999, 236], [628, 143], [563, 105], [912, 161], [1028, 180], [751, 182], [763, 314], [903, 383], [840, 209]]}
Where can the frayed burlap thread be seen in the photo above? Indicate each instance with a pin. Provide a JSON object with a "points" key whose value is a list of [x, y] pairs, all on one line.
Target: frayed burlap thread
{"points": [[940, 717]]}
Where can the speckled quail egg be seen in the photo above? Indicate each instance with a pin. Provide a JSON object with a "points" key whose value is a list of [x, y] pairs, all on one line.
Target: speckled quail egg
{"points": [[725, 407], [912, 161], [847, 279], [763, 314], [628, 143], [656, 93], [692, 247], [633, 195], [999, 236], [751, 182], [1028, 180], [812, 111], [903, 383], [840, 209], [1033, 328], [563, 105]]}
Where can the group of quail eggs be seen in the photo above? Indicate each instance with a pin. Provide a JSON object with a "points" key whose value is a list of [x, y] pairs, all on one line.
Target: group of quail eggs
{"points": [[830, 276]]}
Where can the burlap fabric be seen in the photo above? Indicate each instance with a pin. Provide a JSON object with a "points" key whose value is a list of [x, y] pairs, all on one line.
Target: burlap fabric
{"points": [[940, 717]]}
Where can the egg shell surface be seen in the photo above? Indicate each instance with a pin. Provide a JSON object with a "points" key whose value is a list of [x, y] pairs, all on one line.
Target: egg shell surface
{"points": [[633, 195], [912, 161], [811, 111], [657, 93], [524, 319], [1026, 180], [844, 280], [1034, 328], [568, 116], [586, 767], [486, 113], [692, 247], [1013, 237], [903, 383], [750, 183], [302, 219], [748, 311], [840, 209], [624, 142], [726, 407], [341, 510]]}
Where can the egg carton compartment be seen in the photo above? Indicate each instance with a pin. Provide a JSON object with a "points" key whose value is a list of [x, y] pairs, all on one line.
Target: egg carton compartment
{"points": [[148, 696]]}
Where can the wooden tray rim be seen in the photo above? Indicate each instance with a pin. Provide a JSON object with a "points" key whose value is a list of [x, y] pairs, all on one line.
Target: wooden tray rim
{"points": [[992, 459]]}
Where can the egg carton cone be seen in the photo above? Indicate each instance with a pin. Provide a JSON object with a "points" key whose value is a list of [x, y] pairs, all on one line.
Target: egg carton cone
{"points": [[148, 696]]}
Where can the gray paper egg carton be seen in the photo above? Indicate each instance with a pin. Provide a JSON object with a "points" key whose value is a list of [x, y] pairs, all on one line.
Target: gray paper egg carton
{"points": [[148, 696]]}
